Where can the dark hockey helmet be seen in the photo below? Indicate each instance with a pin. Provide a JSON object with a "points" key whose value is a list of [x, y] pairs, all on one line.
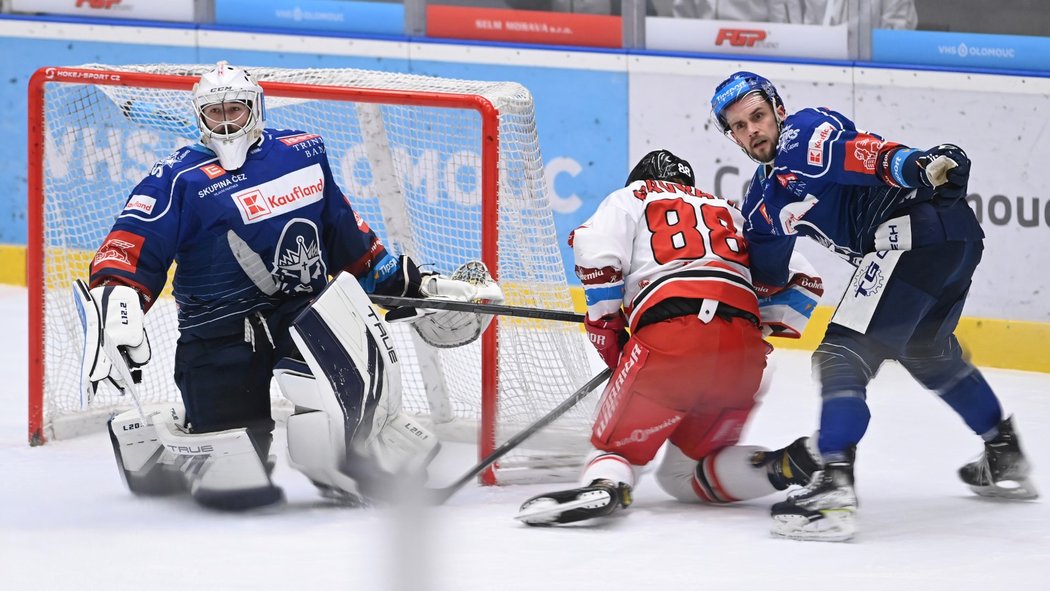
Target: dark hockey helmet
{"points": [[662, 165], [735, 88]]}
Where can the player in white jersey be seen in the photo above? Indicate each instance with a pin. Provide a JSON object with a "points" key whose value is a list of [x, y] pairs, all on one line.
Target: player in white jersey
{"points": [[670, 262]]}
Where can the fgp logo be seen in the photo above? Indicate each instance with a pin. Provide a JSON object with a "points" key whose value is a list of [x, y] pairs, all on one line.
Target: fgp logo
{"points": [[740, 37], [105, 4]]}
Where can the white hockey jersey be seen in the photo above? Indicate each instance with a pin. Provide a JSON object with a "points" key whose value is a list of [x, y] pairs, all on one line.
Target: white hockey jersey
{"points": [[654, 240]]}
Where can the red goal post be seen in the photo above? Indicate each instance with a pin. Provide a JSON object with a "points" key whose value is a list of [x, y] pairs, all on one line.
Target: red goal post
{"points": [[444, 170]]}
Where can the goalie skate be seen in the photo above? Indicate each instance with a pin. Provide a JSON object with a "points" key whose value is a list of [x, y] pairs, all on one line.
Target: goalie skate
{"points": [[824, 511], [1002, 471], [601, 498]]}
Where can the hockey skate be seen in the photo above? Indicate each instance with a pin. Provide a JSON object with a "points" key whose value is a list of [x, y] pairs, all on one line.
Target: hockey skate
{"points": [[599, 499], [823, 511], [791, 465], [1002, 471]]}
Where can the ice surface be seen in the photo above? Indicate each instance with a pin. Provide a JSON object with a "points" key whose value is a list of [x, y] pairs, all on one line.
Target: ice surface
{"points": [[66, 521]]}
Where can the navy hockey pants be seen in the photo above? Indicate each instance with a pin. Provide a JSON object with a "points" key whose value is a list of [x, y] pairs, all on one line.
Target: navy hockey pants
{"points": [[905, 306], [225, 380]]}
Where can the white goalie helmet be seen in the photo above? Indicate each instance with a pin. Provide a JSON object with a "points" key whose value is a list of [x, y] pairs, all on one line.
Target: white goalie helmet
{"points": [[230, 113]]}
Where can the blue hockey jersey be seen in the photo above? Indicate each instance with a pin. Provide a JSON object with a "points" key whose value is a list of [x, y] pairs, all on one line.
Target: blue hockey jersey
{"points": [[822, 184], [283, 203]]}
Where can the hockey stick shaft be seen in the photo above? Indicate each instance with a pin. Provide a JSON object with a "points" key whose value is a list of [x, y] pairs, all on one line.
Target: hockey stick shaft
{"points": [[440, 495], [477, 308]]}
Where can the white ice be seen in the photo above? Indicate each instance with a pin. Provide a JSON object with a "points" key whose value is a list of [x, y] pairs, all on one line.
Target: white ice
{"points": [[66, 521]]}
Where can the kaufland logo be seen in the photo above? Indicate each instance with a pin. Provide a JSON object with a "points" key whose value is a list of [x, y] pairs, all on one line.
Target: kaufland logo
{"points": [[287, 193]]}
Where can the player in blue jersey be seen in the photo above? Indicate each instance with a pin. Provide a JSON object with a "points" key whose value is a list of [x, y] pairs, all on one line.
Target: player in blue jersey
{"points": [[900, 216], [257, 226]]}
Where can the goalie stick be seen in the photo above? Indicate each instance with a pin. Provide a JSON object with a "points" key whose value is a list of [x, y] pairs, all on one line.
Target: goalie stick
{"points": [[440, 495], [475, 307], [257, 271]]}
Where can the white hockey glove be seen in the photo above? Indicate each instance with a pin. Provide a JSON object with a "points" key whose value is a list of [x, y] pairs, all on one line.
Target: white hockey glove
{"points": [[445, 329], [112, 318]]}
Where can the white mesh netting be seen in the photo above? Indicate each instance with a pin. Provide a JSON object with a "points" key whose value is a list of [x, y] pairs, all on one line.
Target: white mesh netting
{"points": [[413, 173]]}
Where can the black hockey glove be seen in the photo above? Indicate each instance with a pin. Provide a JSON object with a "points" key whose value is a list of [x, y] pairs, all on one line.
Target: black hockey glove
{"points": [[945, 168]]}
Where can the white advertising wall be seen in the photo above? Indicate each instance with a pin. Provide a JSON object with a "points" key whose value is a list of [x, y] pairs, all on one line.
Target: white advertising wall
{"points": [[1001, 121]]}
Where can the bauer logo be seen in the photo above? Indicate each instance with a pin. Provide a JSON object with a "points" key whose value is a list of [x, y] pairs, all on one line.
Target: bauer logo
{"points": [[288, 193]]}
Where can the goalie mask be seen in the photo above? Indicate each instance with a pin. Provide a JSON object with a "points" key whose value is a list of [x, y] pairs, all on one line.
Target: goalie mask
{"points": [[230, 113]]}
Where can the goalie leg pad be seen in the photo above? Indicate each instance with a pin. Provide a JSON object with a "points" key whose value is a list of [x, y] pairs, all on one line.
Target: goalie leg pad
{"points": [[145, 466], [224, 469], [348, 433]]}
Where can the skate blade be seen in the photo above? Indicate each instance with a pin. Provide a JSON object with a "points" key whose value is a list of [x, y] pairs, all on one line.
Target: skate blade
{"points": [[833, 525], [1014, 490], [546, 511]]}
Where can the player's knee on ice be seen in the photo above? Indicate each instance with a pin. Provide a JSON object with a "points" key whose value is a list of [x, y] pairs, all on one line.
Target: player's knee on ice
{"points": [[725, 476]]}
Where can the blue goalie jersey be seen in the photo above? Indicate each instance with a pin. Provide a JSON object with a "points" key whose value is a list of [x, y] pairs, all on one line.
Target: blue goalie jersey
{"points": [[822, 184], [283, 203]]}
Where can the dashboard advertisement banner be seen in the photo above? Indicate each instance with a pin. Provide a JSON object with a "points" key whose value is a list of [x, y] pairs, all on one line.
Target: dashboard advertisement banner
{"points": [[375, 18], [746, 38], [169, 10], [967, 50], [523, 26]]}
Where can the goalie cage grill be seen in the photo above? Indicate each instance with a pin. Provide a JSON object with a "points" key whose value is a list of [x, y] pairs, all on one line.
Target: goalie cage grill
{"points": [[458, 169]]}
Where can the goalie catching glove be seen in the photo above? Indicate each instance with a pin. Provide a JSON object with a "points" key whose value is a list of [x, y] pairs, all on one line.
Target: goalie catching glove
{"points": [[111, 317], [471, 282]]}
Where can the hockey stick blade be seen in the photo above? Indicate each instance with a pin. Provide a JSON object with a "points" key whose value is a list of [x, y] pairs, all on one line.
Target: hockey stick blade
{"points": [[440, 495], [119, 362], [476, 308], [252, 264]]}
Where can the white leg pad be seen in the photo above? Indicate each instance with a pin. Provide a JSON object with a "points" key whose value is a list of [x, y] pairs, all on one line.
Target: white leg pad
{"points": [[727, 475], [404, 446], [223, 462], [135, 440], [608, 466], [675, 474], [348, 431], [311, 451]]}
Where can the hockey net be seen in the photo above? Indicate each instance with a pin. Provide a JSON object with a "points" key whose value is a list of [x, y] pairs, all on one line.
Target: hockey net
{"points": [[444, 170]]}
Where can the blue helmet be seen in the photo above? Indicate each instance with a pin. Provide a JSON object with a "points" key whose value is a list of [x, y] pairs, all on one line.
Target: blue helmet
{"points": [[734, 88]]}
